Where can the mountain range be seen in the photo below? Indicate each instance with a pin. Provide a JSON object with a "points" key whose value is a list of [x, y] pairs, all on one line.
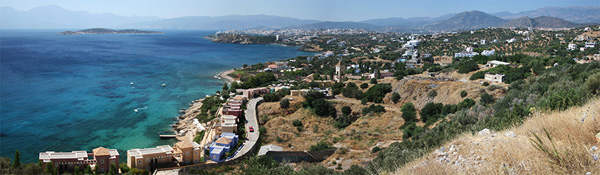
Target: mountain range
{"points": [[57, 17]]}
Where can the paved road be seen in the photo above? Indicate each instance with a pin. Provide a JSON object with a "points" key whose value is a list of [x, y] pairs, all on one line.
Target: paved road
{"points": [[252, 118]]}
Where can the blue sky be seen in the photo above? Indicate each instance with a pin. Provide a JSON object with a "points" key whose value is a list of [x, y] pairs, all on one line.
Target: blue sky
{"points": [[327, 10]]}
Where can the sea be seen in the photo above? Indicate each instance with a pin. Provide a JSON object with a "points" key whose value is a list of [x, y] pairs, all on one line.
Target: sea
{"points": [[79, 92]]}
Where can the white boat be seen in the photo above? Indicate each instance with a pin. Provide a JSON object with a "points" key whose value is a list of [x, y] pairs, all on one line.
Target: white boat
{"points": [[163, 85], [131, 83], [136, 110]]}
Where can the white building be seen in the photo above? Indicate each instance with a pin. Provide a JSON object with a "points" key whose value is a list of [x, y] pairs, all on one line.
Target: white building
{"points": [[495, 63], [488, 52], [590, 44], [494, 78], [572, 46]]}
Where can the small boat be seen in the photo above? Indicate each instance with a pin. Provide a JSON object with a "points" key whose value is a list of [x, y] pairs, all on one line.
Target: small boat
{"points": [[131, 83], [136, 110], [163, 85]]}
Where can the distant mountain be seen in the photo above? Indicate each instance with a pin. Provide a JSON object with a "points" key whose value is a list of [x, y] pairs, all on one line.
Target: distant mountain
{"points": [[467, 21], [233, 22], [338, 25], [407, 22], [573, 14], [540, 22], [57, 17], [107, 31]]}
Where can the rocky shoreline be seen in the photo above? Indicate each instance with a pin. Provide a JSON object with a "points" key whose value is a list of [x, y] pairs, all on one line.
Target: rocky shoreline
{"points": [[185, 122]]}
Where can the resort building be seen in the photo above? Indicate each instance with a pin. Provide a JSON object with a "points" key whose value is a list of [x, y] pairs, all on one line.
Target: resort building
{"points": [[67, 161], [105, 157], [229, 123], [189, 152], [141, 158], [223, 145], [255, 92]]}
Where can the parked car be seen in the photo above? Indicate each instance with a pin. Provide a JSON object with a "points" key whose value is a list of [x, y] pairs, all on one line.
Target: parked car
{"points": [[251, 129]]}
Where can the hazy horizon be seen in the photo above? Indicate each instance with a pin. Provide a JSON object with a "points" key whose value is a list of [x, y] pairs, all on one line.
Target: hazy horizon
{"points": [[330, 10]]}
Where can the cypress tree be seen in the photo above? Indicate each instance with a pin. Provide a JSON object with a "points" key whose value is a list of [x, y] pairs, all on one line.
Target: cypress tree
{"points": [[17, 162]]}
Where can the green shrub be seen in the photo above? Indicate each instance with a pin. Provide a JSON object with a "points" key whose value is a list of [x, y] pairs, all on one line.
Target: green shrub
{"points": [[377, 92], [463, 94], [486, 84], [430, 110], [373, 109], [432, 94], [409, 113], [321, 146], [487, 98], [285, 103], [364, 86], [373, 81], [346, 110], [375, 149], [395, 97]]}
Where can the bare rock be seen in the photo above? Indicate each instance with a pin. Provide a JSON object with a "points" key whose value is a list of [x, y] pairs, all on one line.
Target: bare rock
{"points": [[510, 134], [485, 132]]}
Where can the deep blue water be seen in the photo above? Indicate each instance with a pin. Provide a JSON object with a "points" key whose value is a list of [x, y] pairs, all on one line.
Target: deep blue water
{"points": [[73, 92]]}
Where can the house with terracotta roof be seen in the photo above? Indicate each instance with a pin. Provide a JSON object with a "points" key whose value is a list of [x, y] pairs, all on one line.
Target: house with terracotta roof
{"points": [[105, 157], [141, 158]]}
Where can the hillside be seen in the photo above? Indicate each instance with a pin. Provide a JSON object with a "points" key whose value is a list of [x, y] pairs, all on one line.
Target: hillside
{"points": [[468, 21], [540, 22], [511, 151], [573, 14]]}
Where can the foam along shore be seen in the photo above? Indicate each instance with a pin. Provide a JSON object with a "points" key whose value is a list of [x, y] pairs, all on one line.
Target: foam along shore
{"points": [[186, 122]]}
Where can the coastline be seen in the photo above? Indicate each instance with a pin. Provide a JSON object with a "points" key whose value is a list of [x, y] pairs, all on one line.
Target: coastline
{"points": [[225, 75], [185, 121]]}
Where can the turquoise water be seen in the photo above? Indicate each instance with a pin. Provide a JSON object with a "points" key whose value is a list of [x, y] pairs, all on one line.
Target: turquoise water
{"points": [[73, 92]]}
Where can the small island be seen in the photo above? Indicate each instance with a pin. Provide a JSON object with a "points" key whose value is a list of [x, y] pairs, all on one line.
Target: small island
{"points": [[107, 31]]}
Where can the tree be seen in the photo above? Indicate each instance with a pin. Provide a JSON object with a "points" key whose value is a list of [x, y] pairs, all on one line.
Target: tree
{"points": [[467, 66], [593, 83], [430, 110], [88, 170], [17, 161], [395, 97], [113, 169], [50, 168], [97, 169], [285, 103], [323, 108], [487, 98], [355, 170], [466, 104], [245, 65], [373, 80], [225, 88], [364, 86], [76, 170], [346, 110], [408, 112], [463, 94], [124, 167]]}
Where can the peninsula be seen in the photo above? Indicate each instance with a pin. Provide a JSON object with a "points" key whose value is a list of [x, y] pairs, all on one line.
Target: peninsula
{"points": [[107, 31]]}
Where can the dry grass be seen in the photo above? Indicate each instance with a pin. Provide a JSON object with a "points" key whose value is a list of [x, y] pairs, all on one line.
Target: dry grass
{"points": [[501, 154]]}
